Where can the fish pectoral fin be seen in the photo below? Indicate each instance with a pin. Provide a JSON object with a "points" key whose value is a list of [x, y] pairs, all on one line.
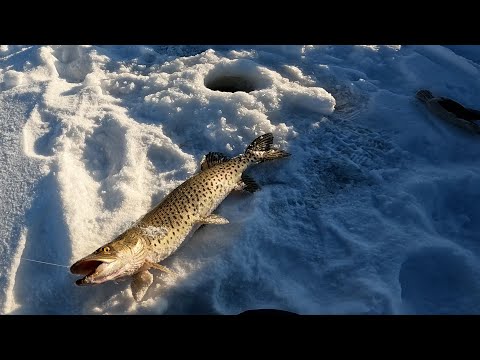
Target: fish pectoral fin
{"points": [[213, 219], [162, 268], [247, 184], [141, 281], [212, 159]]}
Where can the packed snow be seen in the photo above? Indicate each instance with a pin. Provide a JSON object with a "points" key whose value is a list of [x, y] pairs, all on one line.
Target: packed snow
{"points": [[377, 211]]}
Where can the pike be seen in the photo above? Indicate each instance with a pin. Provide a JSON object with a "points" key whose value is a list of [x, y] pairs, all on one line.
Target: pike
{"points": [[160, 232]]}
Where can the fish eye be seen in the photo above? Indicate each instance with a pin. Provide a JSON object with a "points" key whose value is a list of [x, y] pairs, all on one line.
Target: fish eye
{"points": [[105, 249]]}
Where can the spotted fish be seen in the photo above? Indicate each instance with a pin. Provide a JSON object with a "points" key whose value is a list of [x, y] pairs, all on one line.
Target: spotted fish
{"points": [[163, 229]]}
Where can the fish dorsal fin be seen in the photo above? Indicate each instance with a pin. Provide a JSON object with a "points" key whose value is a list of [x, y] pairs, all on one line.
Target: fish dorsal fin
{"points": [[212, 159]]}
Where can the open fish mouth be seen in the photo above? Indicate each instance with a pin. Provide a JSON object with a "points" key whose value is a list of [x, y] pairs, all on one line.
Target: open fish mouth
{"points": [[95, 270]]}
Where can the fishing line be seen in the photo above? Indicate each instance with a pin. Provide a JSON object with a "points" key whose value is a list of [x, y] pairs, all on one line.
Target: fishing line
{"points": [[43, 262]]}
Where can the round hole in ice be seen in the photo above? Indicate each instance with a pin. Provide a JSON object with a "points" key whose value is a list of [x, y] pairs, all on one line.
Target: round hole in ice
{"points": [[230, 83], [238, 75]]}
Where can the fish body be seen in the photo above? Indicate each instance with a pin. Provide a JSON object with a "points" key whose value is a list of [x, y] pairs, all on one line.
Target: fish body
{"points": [[161, 231]]}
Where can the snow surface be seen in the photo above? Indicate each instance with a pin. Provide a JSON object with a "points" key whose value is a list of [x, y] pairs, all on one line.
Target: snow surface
{"points": [[377, 211]]}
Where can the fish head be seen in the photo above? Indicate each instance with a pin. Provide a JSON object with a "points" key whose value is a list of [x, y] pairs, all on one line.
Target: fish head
{"points": [[109, 262]]}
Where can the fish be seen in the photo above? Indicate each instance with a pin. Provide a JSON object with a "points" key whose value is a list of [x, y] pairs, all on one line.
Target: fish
{"points": [[161, 231]]}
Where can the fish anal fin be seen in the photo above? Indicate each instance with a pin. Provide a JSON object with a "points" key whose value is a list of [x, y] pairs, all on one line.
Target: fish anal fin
{"points": [[247, 184], [213, 219], [141, 281], [212, 159]]}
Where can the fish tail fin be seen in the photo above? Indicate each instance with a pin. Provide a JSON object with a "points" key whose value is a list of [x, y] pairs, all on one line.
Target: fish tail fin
{"points": [[260, 150], [424, 95]]}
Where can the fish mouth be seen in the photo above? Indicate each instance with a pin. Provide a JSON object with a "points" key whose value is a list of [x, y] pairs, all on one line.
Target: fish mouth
{"points": [[95, 270]]}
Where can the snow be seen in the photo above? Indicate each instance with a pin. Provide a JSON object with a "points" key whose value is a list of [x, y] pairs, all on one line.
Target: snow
{"points": [[376, 211]]}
